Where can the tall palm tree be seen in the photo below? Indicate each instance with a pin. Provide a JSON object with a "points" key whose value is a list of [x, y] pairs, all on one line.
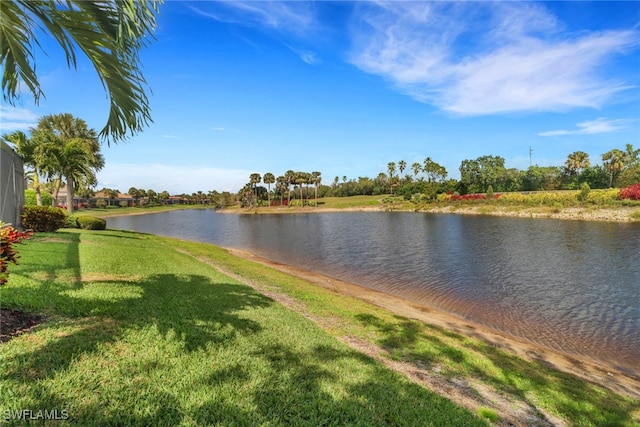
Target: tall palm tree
{"points": [[613, 162], [254, 180], [316, 180], [109, 33], [631, 156], [135, 194], [402, 165], [290, 177], [26, 148], [68, 148], [391, 167], [576, 162], [281, 187], [416, 167], [152, 195], [164, 196], [269, 179], [301, 178]]}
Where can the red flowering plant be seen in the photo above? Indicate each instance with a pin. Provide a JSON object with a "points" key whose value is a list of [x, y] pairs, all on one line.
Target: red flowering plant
{"points": [[8, 237], [631, 192]]}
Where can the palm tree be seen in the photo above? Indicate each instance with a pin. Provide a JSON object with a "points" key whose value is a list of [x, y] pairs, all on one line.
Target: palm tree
{"points": [[254, 180], [576, 162], [75, 161], [151, 195], [135, 193], [269, 179], [316, 179], [613, 162], [111, 194], [290, 177], [416, 167], [402, 165], [631, 156], [301, 178], [164, 196], [391, 167], [26, 148], [109, 33], [281, 187], [69, 149]]}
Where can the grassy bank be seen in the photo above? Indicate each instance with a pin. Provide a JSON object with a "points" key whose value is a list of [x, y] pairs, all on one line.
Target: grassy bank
{"points": [[139, 333], [117, 210], [599, 205], [145, 330]]}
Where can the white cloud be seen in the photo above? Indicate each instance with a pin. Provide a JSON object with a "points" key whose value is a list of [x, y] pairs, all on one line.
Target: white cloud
{"points": [[307, 56], [174, 179], [291, 17], [279, 18], [13, 118], [514, 57], [219, 129], [170, 136], [600, 125]]}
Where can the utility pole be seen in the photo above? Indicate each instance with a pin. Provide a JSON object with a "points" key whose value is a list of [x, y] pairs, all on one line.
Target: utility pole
{"points": [[530, 153]]}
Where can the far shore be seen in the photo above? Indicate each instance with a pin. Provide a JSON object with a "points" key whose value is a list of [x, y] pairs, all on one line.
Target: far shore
{"points": [[618, 214], [586, 212]]}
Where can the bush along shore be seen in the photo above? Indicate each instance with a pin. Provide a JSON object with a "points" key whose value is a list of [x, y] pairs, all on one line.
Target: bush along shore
{"points": [[142, 330], [588, 205]]}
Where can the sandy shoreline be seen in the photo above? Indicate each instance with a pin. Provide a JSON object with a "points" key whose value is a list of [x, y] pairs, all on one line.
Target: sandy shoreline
{"points": [[593, 371]]}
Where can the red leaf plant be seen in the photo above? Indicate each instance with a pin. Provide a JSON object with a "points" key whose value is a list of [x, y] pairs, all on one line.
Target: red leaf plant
{"points": [[8, 237]]}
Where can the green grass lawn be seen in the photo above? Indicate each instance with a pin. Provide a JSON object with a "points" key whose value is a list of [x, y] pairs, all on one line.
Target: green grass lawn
{"points": [[143, 330], [138, 333]]}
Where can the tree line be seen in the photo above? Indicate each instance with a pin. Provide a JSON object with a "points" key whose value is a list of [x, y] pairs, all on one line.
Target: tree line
{"points": [[619, 168], [63, 149]]}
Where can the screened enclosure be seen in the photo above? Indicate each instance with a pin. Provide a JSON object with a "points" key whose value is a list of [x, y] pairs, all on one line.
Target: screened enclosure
{"points": [[11, 185]]}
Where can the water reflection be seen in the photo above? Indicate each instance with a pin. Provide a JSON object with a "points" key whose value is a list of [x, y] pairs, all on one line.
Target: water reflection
{"points": [[569, 285]]}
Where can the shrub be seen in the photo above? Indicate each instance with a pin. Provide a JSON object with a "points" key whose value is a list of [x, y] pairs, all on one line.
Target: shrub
{"points": [[631, 192], [72, 222], [584, 192], [92, 223], [8, 237], [43, 218], [490, 192], [101, 204], [30, 198], [603, 197]]}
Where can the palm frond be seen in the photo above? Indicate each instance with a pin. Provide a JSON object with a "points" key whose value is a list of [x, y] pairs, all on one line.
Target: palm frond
{"points": [[109, 33]]}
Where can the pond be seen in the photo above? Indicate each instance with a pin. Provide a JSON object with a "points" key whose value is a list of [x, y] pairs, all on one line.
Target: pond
{"points": [[573, 286]]}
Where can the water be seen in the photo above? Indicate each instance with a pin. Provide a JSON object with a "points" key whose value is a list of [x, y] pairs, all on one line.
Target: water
{"points": [[569, 285]]}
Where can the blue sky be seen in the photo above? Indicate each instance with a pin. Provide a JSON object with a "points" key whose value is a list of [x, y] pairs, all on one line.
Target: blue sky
{"points": [[346, 87]]}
